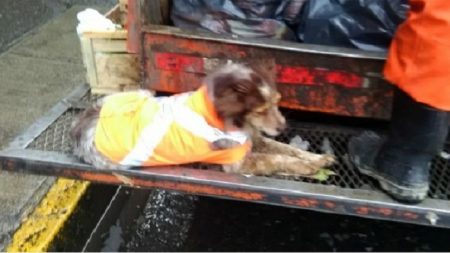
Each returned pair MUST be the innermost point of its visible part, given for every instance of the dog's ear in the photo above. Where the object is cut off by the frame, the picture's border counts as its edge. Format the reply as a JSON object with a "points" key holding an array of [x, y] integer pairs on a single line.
{"points": [[265, 68], [244, 91], [236, 93], [234, 84], [247, 86]]}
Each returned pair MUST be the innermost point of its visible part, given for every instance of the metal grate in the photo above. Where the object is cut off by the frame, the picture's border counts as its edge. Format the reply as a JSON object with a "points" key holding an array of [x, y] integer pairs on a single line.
{"points": [[56, 138], [338, 137]]}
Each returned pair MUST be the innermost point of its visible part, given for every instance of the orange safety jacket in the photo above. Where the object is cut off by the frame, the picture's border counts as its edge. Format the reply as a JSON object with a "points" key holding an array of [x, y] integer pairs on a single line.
{"points": [[135, 129], [419, 56]]}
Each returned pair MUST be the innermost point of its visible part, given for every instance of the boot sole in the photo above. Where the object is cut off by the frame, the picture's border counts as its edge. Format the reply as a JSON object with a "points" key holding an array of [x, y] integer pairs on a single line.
{"points": [[398, 192]]}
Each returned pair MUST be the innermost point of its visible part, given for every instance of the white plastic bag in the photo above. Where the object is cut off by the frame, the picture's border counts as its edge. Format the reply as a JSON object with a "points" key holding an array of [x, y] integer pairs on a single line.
{"points": [[91, 20]]}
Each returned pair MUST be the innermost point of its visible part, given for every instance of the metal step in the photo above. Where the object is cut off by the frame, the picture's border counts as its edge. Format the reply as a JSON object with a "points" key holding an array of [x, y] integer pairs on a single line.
{"points": [[45, 149]]}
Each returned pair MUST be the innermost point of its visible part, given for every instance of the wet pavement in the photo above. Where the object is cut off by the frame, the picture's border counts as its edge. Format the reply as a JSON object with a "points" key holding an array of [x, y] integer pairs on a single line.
{"points": [[222, 225], [20, 17], [172, 222], [40, 63]]}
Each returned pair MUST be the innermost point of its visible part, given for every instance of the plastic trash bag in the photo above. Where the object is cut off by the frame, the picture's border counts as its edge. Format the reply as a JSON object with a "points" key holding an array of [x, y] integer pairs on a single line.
{"points": [[299, 143], [91, 20], [245, 18], [291, 11], [363, 24]]}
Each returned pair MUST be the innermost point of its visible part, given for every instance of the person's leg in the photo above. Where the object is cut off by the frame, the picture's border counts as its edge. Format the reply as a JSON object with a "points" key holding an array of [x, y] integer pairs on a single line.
{"points": [[401, 161]]}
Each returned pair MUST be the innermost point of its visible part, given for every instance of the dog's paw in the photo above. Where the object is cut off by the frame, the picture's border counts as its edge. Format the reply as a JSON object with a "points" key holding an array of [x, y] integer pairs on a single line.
{"points": [[323, 161], [297, 167], [300, 167], [328, 160]]}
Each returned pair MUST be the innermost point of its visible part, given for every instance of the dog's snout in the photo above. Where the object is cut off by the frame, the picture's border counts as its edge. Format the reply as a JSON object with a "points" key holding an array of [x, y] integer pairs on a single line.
{"points": [[281, 122], [281, 127]]}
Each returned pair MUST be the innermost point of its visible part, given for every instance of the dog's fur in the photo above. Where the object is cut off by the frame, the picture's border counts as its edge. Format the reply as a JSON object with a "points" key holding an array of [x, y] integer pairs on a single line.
{"points": [[245, 98]]}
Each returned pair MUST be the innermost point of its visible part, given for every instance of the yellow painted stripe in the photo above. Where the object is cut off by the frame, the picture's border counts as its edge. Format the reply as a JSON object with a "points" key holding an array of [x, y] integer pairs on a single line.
{"points": [[40, 228]]}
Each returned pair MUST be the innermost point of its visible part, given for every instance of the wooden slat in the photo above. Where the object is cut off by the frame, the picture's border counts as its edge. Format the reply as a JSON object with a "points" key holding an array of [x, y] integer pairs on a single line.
{"points": [[118, 71], [123, 5], [112, 90], [89, 60], [109, 66], [109, 45], [118, 34]]}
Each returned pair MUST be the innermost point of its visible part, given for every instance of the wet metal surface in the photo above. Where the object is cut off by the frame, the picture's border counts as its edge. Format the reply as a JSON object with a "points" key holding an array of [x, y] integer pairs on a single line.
{"points": [[56, 138], [346, 193]]}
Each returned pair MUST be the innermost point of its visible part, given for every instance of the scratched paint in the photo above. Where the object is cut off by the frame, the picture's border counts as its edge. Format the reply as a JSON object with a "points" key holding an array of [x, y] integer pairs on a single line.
{"points": [[177, 65], [184, 187]]}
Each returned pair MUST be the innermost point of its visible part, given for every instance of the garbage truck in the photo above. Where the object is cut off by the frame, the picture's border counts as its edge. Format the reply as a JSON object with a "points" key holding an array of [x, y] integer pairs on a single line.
{"points": [[329, 94]]}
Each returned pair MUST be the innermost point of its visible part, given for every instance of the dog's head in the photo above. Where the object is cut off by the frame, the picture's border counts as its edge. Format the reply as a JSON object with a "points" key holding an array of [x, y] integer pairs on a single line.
{"points": [[246, 96]]}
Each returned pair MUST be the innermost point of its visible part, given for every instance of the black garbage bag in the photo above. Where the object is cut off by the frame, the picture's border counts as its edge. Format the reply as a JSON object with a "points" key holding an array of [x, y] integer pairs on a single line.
{"points": [[363, 24], [245, 18], [291, 10]]}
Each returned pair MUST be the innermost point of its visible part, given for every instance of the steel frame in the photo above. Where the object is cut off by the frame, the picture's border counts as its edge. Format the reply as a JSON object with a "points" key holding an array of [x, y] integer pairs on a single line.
{"points": [[323, 198]]}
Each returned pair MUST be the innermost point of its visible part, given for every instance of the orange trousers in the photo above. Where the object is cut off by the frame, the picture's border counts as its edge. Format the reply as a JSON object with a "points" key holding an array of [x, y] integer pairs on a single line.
{"points": [[419, 56]]}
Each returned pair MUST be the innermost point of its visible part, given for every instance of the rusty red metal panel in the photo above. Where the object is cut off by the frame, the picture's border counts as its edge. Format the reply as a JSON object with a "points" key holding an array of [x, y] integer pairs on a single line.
{"points": [[299, 75], [309, 80], [133, 27], [315, 82], [302, 75], [179, 63]]}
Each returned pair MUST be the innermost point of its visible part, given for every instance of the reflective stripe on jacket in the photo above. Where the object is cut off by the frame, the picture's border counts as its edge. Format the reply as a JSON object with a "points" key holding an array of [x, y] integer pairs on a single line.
{"points": [[136, 129], [419, 56]]}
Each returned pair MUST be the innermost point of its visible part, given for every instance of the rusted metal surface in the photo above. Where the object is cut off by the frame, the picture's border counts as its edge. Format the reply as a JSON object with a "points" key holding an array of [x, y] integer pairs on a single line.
{"points": [[286, 74], [312, 78], [364, 203], [349, 192], [133, 26], [56, 139]]}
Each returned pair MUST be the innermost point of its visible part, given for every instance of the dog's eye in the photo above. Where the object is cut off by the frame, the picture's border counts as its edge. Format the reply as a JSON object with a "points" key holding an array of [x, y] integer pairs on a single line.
{"points": [[262, 112], [277, 98], [262, 109]]}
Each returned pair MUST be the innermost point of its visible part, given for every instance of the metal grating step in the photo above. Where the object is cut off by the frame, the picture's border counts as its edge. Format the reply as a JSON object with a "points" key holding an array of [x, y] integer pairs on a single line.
{"points": [[44, 148], [56, 138]]}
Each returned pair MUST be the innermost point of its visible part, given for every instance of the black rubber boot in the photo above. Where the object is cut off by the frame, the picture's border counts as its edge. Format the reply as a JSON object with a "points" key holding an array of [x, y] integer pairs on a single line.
{"points": [[401, 162]]}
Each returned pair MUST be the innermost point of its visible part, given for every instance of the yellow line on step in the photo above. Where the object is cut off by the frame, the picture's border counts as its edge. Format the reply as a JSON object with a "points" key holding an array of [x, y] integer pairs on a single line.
{"points": [[40, 228]]}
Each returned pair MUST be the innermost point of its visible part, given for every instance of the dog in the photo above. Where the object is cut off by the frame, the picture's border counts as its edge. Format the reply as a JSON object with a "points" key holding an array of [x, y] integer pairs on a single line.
{"points": [[223, 122]]}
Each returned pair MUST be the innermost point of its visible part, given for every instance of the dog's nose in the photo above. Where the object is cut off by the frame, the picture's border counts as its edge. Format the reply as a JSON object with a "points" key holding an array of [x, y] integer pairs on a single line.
{"points": [[281, 128]]}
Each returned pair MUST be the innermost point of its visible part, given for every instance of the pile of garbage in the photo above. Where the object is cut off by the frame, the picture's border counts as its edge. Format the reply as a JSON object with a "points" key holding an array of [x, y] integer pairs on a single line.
{"points": [[362, 24]]}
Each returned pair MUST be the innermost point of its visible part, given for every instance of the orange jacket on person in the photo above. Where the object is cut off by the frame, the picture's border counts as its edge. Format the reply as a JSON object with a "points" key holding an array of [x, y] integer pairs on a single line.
{"points": [[419, 56], [136, 129]]}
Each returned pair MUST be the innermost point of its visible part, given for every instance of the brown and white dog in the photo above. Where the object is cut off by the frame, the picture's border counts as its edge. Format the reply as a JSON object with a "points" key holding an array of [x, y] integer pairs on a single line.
{"points": [[245, 98]]}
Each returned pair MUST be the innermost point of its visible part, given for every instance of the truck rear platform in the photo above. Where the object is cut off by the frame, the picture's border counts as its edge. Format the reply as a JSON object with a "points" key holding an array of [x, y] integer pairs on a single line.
{"points": [[45, 149], [339, 85]]}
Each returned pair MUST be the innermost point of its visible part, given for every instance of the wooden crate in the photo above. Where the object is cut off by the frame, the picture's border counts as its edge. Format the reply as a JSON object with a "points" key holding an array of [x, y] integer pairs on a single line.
{"points": [[108, 65]]}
